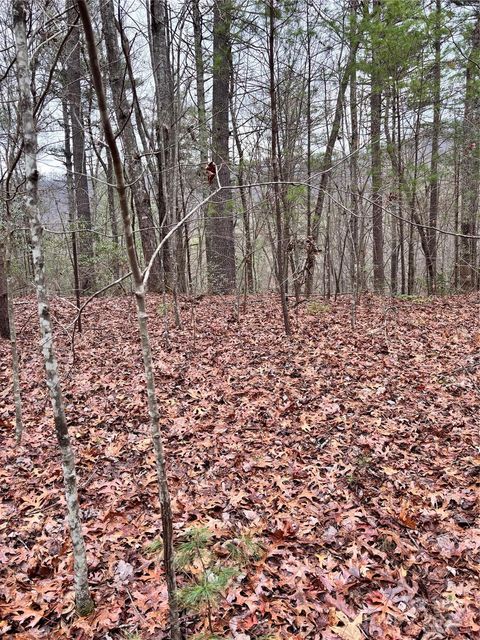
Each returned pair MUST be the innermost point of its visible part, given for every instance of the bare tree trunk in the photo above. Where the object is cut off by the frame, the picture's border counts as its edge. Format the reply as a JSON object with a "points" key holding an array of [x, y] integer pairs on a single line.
{"points": [[72, 218], [86, 267], [456, 205], [165, 129], [376, 151], [327, 163], [6, 292], [84, 602], [309, 125], [280, 248], [248, 259], [356, 269], [203, 133], [113, 216], [133, 163], [394, 199], [13, 339], [434, 178], [164, 495], [401, 225], [219, 231], [413, 206], [470, 165], [4, 322]]}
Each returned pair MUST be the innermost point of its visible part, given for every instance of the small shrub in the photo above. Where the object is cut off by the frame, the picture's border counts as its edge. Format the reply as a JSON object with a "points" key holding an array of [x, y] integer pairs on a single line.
{"points": [[209, 568]]}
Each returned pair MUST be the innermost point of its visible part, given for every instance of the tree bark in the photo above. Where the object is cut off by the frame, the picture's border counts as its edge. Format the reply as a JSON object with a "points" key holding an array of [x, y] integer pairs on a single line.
{"points": [[133, 163], [434, 178], [470, 165], [356, 266], [74, 72], [219, 232], [71, 208], [4, 322], [327, 164], [165, 124], [281, 252], [139, 284], [84, 602], [376, 168], [248, 258]]}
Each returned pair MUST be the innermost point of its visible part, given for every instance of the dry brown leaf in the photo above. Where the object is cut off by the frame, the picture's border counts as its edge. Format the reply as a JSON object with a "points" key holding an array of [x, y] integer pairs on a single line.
{"points": [[348, 629]]}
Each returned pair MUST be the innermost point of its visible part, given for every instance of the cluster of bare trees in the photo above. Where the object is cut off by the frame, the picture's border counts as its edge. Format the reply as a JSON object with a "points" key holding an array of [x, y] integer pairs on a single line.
{"points": [[344, 140]]}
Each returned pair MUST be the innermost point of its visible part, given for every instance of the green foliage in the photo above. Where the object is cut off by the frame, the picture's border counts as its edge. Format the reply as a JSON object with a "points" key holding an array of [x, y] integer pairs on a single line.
{"points": [[296, 193], [208, 588], [209, 569], [396, 32], [153, 546], [195, 545], [244, 550]]}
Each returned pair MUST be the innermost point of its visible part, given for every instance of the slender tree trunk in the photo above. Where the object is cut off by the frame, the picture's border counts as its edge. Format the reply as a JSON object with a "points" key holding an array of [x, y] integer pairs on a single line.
{"points": [[6, 286], [84, 602], [394, 200], [413, 206], [72, 217], [203, 133], [112, 215], [74, 72], [456, 205], [220, 240], [376, 169], [309, 127], [434, 178], [470, 165], [133, 163], [327, 163], [248, 259], [280, 248], [401, 190], [4, 322], [353, 164], [164, 495], [13, 336]]}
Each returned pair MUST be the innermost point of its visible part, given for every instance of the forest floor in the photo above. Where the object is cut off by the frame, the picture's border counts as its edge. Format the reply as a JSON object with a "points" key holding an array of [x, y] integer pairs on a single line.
{"points": [[351, 456]]}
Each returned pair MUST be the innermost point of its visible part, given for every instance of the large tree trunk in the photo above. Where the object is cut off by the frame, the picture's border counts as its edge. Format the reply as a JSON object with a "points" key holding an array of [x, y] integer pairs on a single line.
{"points": [[470, 165], [83, 599], [139, 284], [133, 163], [165, 125], [219, 231], [86, 271]]}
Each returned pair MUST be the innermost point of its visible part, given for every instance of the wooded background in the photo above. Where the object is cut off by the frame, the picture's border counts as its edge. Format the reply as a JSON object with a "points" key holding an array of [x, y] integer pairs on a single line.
{"points": [[344, 136]]}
